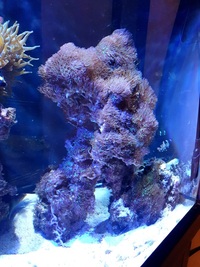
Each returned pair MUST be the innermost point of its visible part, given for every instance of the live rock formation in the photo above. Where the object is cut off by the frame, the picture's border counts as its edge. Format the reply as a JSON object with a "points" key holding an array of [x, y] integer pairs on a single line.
{"points": [[110, 105]]}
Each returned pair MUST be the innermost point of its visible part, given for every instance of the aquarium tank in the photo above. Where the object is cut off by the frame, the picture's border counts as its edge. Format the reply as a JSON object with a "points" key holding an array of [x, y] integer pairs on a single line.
{"points": [[99, 129]]}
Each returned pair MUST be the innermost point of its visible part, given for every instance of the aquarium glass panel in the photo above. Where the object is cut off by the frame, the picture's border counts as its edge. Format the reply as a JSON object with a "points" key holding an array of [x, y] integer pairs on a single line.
{"points": [[99, 128]]}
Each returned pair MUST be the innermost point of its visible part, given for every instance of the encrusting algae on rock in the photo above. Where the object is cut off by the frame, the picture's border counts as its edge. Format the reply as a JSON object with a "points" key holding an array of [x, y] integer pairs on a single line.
{"points": [[111, 107]]}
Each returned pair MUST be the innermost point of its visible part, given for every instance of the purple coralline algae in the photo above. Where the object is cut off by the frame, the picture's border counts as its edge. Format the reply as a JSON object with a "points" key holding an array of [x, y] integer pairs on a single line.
{"points": [[7, 119], [110, 105]]}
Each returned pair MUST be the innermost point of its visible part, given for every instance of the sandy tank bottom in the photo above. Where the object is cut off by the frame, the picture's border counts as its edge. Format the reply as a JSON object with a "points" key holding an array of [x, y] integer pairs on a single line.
{"points": [[21, 246]]}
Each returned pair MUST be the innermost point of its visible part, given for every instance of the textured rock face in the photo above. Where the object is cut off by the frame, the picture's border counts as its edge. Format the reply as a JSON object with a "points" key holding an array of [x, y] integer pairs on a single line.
{"points": [[7, 119], [105, 98]]}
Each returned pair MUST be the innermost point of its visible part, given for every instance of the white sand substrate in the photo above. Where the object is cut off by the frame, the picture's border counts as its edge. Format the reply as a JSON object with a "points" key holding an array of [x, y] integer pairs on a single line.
{"points": [[22, 247]]}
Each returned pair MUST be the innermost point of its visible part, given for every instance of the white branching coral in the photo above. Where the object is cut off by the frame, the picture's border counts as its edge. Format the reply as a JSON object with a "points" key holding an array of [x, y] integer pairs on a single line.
{"points": [[13, 49]]}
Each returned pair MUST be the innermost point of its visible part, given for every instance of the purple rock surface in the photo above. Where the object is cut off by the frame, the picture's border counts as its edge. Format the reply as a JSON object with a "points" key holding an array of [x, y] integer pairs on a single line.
{"points": [[110, 105]]}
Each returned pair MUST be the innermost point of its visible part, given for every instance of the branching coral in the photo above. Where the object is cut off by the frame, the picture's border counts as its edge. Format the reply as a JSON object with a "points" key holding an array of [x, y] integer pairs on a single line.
{"points": [[104, 96]]}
